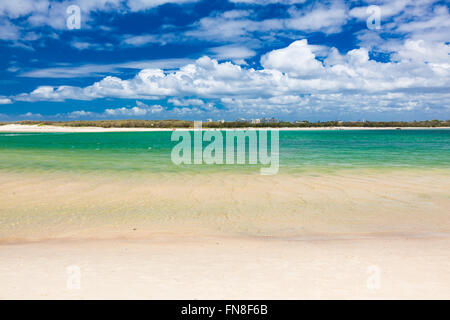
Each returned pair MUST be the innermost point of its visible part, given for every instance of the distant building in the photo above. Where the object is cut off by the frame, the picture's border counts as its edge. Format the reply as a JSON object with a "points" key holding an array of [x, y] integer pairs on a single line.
{"points": [[208, 120], [241, 120], [221, 121], [271, 120], [255, 121]]}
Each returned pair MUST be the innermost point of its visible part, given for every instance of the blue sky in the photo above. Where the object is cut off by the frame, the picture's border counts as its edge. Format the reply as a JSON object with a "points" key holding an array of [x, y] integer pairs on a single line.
{"points": [[188, 59]]}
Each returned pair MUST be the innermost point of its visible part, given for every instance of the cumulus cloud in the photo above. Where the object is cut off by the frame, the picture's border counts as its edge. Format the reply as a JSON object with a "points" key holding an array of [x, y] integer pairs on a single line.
{"points": [[140, 110], [291, 78], [5, 100], [424, 52], [297, 59], [186, 102], [412, 73]]}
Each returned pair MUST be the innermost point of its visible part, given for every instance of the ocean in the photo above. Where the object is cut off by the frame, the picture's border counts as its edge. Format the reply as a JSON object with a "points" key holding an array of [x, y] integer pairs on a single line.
{"points": [[299, 151]]}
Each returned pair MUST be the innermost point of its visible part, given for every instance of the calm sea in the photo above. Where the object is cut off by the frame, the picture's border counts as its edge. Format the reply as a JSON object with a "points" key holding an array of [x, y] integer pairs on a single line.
{"points": [[299, 151]]}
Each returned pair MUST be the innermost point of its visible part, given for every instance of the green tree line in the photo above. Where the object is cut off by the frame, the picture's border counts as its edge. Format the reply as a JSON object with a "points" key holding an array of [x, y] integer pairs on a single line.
{"points": [[132, 123]]}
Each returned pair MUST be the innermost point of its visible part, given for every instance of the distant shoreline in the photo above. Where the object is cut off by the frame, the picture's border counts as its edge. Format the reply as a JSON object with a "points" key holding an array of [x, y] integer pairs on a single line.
{"points": [[50, 128]]}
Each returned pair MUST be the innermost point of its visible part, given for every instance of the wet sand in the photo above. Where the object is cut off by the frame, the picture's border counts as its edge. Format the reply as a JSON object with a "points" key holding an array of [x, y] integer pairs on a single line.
{"points": [[48, 128], [49, 206], [220, 236]]}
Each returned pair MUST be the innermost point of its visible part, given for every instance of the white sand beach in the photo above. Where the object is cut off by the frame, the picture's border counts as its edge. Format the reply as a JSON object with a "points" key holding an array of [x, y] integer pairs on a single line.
{"points": [[228, 268], [364, 236], [48, 128], [323, 171]]}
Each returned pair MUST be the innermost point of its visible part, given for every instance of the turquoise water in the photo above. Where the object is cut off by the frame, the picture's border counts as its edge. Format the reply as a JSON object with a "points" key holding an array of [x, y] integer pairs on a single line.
{"points": [[151, 151]]}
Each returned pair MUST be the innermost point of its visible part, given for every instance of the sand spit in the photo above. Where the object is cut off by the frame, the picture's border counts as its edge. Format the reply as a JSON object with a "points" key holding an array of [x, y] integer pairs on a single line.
{"points": [[62, 129]]}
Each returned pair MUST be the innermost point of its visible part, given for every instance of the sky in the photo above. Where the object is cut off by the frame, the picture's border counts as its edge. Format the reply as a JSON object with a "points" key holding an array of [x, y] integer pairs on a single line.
{"points": [[229, 59]]}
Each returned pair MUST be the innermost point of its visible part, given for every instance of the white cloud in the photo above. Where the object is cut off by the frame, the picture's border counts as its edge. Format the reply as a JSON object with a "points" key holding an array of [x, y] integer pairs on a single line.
{"points": [[45, 9], [186, 102], [266, 2], [98, 70], [414, 35], [387, 9], [5, 101], [426, 23], [53, 13], [224, 27], [140, 110], [8, 31], [137, 41], [30, 115], [139, 5], [423, 52], [19, 8], [236, 53], [297, 59], [83, 45], [406, 19], [292, 79], [238, 25], [79, 114], [328, 19]]}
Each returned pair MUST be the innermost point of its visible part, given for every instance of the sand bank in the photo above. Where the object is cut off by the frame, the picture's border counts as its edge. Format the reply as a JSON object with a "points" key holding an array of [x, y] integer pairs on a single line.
{"points": [[49, 206], [46, 128], [227, 268], [365, 235]]}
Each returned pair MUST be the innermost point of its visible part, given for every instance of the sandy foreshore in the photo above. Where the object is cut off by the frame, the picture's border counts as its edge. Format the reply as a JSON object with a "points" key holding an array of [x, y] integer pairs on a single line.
{"points": [[59, 206], [62, 129], [227, 268], [364, 235]]}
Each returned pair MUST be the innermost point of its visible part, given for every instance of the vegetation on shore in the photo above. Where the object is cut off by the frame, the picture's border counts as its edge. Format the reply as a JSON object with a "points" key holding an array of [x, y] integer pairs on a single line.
{"points": [[236, 124]]}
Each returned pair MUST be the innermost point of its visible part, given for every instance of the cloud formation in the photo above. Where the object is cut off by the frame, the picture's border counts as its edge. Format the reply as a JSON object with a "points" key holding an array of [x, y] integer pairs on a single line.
{"points": [[291, 77], [256, 57], [5, 100]]}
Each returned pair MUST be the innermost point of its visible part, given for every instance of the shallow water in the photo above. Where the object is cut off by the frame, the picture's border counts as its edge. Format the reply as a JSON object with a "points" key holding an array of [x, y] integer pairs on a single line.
{"points": [[338, 184], [300, 151]]}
